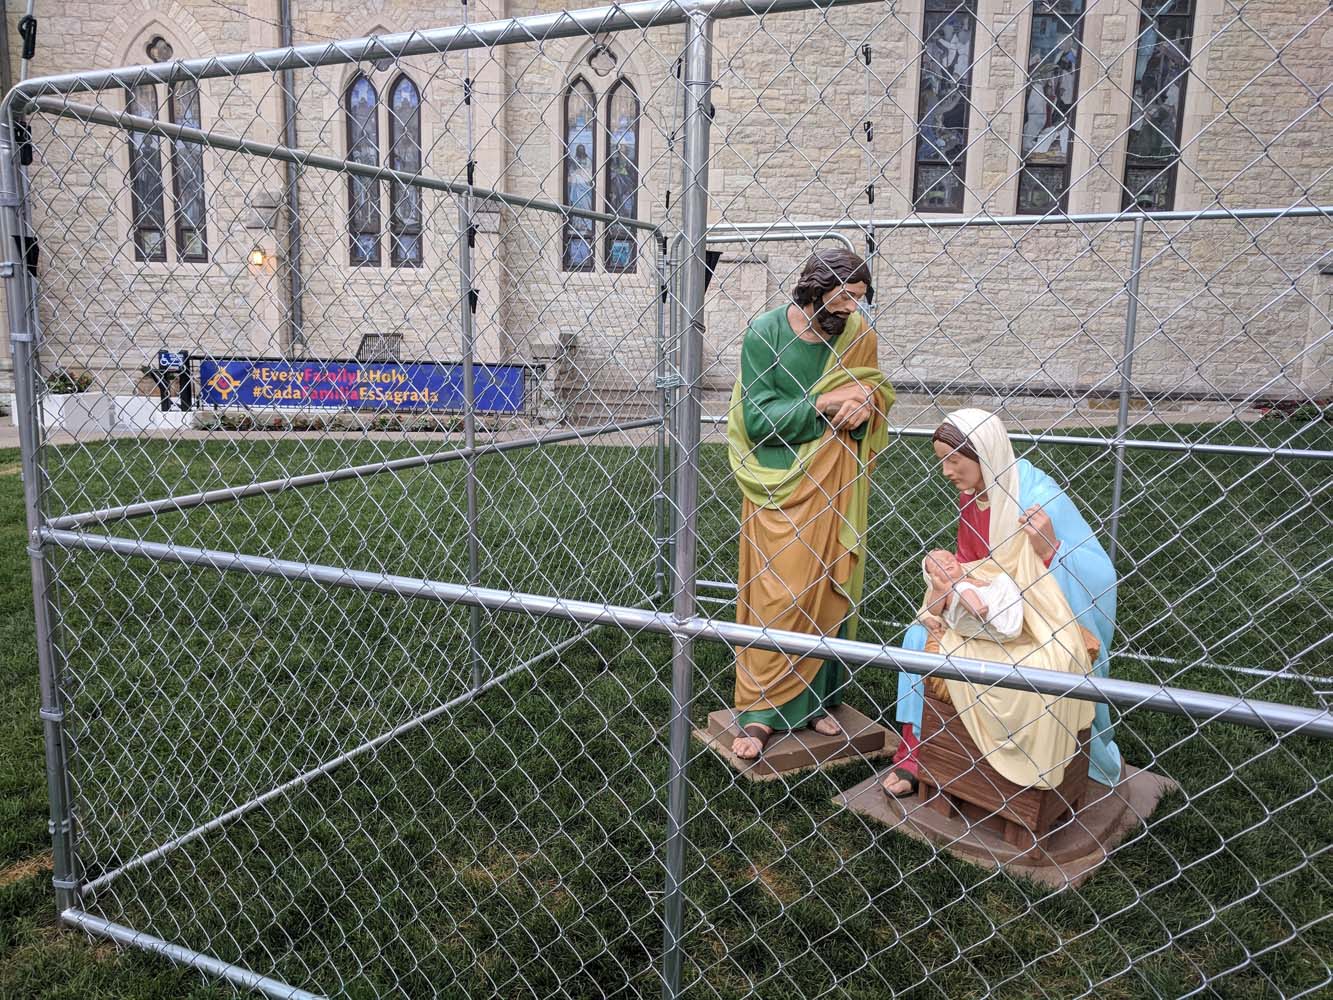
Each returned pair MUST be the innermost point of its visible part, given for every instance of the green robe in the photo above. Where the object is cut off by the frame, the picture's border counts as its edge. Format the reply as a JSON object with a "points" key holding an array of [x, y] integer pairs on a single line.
{"points": [[778, 370]]}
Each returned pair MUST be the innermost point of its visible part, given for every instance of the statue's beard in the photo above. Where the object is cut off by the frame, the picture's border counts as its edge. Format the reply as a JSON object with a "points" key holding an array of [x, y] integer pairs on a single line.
{"points": [[831, 324]]}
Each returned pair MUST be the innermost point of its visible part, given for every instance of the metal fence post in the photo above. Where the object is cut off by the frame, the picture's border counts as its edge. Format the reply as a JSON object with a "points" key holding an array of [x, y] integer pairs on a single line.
{"points": [[21, 305], [694, 188], [468, 295], [673, 400], [660, 516], [467, 232], [1126, 380], [296, 340]]}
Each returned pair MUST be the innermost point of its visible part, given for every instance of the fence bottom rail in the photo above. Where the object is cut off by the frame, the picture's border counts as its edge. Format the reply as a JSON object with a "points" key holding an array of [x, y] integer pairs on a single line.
{"points": [[234, 973]]}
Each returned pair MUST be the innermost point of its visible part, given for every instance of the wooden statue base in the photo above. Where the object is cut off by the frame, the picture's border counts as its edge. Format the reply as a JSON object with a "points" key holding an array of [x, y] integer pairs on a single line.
{"points": [[951, 763], [1068, 855], [802, 749]]}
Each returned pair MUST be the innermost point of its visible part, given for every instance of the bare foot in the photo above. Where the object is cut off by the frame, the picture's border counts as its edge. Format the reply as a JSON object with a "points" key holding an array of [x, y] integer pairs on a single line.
{"points": [[897, 785], [826, 725], [750, 747]]}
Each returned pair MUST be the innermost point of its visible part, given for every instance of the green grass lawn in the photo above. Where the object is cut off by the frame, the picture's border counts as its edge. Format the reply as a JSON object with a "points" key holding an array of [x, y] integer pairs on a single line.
{"points": [[512, 847]]}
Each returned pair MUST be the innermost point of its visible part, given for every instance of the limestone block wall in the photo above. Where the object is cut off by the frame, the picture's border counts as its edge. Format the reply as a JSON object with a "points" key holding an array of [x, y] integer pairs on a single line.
{"points": [[100, 308], [1226, 307]]}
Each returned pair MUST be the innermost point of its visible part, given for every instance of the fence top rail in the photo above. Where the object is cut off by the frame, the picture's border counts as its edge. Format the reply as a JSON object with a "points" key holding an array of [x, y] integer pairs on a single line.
{"points": [[824, 226], [1117, 441], [1146, 444], [456, 38]]}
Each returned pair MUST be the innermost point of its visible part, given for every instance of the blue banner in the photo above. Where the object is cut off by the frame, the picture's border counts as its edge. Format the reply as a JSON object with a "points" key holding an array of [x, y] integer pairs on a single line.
{"points": [[352, 385]]}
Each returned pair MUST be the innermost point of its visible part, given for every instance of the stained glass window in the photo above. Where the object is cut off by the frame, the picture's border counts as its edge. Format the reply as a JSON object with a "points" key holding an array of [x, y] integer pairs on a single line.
{"points": [[405, 155], [148, 216], [187, 174], [622, 174], [363, 194], [147, 185], [943, 105], [1160, 72], [1048, 113], [580, 174]]}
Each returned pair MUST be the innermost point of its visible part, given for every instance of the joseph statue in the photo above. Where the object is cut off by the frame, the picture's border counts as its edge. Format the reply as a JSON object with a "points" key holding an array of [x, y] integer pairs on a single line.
{"points": [[808, 416]]}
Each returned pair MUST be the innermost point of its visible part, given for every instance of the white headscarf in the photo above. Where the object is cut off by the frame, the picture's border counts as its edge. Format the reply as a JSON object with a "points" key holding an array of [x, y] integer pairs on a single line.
{"points": [[999, 472]]}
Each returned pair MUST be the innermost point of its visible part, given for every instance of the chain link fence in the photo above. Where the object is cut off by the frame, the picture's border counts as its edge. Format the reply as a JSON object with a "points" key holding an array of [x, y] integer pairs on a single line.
{"points": [[386, 549]]}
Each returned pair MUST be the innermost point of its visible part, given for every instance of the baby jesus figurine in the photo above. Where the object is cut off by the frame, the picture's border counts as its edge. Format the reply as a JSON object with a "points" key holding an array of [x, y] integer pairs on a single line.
{"points": [[971, 606]]}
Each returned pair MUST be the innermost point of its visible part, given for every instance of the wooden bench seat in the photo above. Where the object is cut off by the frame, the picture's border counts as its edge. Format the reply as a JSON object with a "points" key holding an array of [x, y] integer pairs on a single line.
{"points": [[954, 780]]}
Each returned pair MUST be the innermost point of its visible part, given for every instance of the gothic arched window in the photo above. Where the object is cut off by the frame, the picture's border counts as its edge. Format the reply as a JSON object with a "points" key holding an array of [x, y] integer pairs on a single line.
{"points": [[147, 184], [1054, 52], [363, 194], [405, 155], [944, 104], [187, 173], [580, 174], [148, 217], [622, 174], [1158, 110]]}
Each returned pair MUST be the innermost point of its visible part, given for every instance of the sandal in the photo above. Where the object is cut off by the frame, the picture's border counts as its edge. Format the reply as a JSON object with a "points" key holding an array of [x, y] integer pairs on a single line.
{"points": [[811, 726], [756, 731], [902, 774]]}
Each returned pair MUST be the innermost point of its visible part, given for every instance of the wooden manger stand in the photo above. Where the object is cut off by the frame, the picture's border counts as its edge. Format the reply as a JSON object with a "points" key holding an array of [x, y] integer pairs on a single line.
{"points": [[956, 781], [1057, 836]]}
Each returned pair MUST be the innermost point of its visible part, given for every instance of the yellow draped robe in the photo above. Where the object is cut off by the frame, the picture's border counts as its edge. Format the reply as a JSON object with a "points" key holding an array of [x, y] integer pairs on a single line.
{"points": [[1029, 738], [802, 540]]}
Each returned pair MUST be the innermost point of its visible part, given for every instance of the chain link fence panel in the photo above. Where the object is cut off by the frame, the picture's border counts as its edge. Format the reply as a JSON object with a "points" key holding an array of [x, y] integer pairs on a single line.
{"points": [[376, 400]]}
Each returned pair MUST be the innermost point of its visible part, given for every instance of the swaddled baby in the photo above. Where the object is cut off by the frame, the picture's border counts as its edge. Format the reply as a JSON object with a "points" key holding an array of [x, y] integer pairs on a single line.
{"points": [[972, 607]]}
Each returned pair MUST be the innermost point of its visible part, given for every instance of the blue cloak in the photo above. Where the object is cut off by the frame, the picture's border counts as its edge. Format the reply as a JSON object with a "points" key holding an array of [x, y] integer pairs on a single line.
{"points": [[1084, 572]]}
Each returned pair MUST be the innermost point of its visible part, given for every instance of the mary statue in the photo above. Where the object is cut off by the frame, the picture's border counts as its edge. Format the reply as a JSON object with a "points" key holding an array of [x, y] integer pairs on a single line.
{"points": [[1014, 518]]}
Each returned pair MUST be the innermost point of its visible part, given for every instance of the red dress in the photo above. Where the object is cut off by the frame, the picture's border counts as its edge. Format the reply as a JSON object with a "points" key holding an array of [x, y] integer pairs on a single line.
{"points": [[973, 529]]}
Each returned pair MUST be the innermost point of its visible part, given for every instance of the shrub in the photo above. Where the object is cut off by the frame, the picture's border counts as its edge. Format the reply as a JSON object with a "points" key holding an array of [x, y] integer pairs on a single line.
{"points": [[1303, 412], [64, 381]]}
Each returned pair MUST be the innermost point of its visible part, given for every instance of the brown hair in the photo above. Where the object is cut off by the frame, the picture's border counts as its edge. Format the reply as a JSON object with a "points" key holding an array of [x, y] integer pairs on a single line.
{"points": [[955, 440], [827, 270]]}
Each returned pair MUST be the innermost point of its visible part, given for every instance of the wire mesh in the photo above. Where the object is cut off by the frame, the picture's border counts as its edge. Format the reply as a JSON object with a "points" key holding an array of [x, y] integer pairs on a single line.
{"points": [[393, 697]]}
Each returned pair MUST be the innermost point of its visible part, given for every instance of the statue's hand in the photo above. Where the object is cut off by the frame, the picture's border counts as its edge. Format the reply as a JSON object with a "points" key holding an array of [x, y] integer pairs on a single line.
{"points": [[851, 415], [979, 608], [1036, 524], [849, 406], [830, 402]]}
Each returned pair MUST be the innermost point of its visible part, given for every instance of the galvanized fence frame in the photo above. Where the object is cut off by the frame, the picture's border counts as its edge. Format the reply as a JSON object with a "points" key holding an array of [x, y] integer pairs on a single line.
{"points": [[681, 266]]}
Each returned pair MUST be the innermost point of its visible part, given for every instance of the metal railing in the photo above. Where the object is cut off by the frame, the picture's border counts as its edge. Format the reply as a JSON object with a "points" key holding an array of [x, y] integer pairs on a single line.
{"points": [[150, 556]]}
